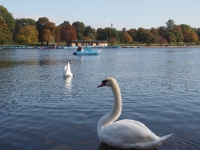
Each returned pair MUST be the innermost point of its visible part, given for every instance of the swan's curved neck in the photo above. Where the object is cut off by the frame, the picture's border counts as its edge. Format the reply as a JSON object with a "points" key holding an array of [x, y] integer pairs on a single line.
{"points": [[116, 110]]}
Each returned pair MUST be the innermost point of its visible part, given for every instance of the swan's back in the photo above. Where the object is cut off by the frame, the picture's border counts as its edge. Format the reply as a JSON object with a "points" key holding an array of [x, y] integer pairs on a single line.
{"points": [[129, 134]]}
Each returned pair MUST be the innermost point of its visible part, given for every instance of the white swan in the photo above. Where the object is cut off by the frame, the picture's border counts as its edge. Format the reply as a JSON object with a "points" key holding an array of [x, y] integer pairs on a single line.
{"points": [[124, 133], [67, 71]]}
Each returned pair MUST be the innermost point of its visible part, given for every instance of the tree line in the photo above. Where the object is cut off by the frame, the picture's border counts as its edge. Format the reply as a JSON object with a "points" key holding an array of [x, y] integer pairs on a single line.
{"points": [[28, 31]]}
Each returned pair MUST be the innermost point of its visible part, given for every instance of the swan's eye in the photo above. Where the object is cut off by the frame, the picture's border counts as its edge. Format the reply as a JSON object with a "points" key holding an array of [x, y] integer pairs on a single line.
{"points": [[104, 81]]}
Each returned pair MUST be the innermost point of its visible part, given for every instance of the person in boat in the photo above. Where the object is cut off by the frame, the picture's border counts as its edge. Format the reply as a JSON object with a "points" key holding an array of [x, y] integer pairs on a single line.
{"points": [[80, 48]]}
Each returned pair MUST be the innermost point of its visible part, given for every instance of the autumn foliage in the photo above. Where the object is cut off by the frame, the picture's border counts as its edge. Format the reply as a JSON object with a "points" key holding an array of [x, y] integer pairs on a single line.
{"points": [[28, 34], [126, 38], [68, 33]]}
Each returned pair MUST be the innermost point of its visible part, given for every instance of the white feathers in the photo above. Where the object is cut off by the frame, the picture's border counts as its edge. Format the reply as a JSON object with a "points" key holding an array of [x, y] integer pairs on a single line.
{"points": [[124, 133], [67, 71]]}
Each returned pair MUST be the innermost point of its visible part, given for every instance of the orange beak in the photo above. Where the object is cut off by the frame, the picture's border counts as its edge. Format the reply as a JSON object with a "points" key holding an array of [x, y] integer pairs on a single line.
{"points": [[103, 84]]}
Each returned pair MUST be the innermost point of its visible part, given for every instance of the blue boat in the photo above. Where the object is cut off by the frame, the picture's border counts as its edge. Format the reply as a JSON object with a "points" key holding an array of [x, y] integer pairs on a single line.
{"points": [[86, 51]]}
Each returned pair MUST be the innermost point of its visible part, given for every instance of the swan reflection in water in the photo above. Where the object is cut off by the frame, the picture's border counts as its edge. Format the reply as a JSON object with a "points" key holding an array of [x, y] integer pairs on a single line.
{"points": [[68, 82]]}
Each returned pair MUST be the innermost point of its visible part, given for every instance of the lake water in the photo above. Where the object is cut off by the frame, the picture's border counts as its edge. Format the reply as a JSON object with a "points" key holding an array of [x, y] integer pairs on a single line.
{"points": [[40, 110]]}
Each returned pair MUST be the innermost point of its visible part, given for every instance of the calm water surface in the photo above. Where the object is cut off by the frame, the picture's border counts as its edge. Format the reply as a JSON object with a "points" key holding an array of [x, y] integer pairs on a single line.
{"points": [[39, 110]]}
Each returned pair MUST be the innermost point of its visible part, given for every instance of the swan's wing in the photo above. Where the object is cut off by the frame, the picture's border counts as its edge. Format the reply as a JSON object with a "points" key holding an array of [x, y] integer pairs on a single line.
{"points": [[65, 68], [68, 69], [126, 131]]}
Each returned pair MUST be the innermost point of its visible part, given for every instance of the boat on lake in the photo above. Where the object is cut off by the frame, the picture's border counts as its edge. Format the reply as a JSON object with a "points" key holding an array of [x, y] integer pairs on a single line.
{"points": [[86, 51]]}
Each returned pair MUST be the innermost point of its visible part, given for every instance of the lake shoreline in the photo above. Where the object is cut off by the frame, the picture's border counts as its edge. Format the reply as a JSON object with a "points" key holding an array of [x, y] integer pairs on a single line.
{"points": [[190, 46]]}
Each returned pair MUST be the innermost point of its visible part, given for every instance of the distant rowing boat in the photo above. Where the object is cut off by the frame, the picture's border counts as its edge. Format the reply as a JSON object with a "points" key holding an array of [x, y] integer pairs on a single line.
{"points": [[86, 51]]}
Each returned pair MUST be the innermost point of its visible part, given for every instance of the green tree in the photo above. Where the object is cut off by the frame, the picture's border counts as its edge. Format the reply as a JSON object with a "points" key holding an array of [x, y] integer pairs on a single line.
{"points": [[198, 32], [5, 33], [162, 31], [88, 31], [65, 23], [126, 38], [170, 24], [20, 23], [149, 38], [28, 34], [79, 36], [101, 34], [155, 32], [170, 37], [140, 36], [91, 36], [185, 27], [7, 16], [178, 36], [79, 26]]}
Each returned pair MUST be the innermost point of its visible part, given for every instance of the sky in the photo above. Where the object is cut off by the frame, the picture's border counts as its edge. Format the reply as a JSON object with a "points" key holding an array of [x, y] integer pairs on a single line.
{"points": [[127, 14]]}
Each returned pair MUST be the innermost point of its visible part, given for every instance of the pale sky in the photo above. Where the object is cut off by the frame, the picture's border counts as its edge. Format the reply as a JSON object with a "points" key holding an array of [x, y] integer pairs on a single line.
{"points": [[101, 13]]}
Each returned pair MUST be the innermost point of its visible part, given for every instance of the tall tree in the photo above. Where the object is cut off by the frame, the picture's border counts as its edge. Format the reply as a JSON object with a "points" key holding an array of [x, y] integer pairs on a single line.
{"points": [[41, 25], [162, 31], [7, 16], [170, 24], [28, 34], [68, 33]]}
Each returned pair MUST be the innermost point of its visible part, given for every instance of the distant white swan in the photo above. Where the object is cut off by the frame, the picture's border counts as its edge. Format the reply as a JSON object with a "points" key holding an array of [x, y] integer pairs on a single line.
{"points": [[124, 133], [67, 71]]}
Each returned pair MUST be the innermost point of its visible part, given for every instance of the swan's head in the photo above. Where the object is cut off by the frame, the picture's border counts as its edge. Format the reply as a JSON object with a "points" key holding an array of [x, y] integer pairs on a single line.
{"points": [[107, 82]]}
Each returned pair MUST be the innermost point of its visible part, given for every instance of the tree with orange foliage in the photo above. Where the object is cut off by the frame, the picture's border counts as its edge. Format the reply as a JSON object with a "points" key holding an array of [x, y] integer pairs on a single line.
{"points": [[46, 36], [126, 38], [190, 36], [68, 33]]}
